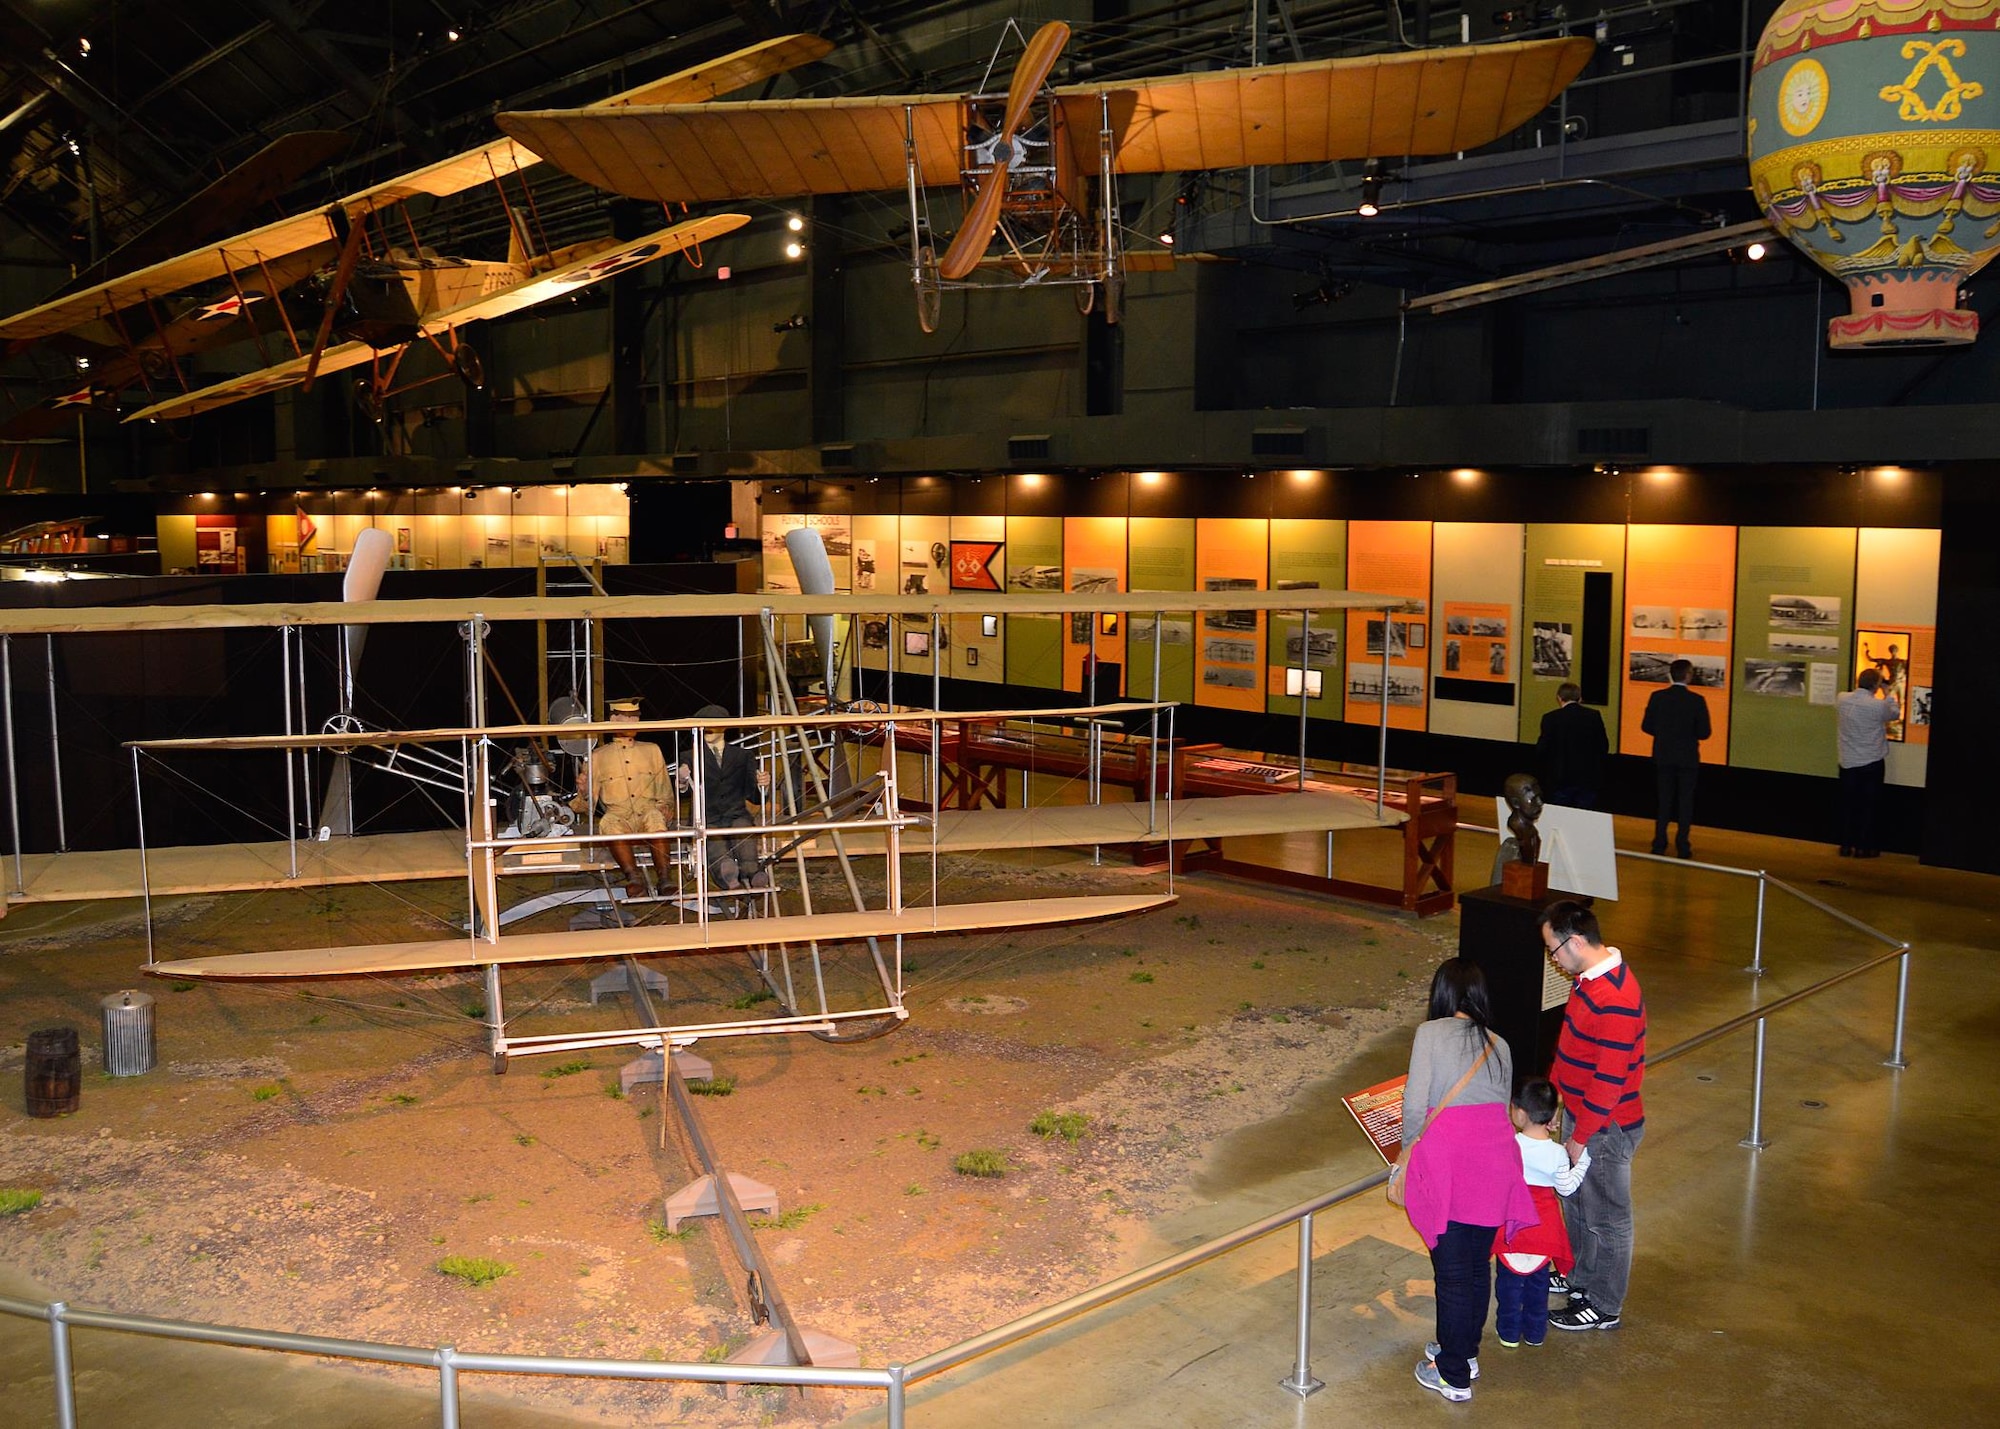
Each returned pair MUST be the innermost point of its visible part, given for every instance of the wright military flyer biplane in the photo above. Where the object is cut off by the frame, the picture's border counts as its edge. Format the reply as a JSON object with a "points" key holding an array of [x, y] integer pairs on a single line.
{"points": [[1037, 165], [353, 284]]}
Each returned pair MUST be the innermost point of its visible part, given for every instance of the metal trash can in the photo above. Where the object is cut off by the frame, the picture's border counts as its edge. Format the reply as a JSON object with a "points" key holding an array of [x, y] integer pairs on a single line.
{"points": [[128, 1033], [54, 1072]]}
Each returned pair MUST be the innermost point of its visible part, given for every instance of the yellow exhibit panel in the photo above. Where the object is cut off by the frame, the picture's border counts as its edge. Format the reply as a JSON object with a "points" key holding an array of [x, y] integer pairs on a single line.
{"points": [[1895, 592], [1475, 662]]}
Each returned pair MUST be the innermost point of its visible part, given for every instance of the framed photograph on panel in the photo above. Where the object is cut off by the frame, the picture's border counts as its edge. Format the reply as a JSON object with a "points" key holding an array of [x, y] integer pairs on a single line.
{"points": [[989, 625]]}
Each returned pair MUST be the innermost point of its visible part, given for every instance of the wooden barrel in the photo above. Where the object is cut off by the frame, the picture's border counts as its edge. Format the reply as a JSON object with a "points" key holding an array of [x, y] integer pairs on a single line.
{"points": [[54, 1071]]}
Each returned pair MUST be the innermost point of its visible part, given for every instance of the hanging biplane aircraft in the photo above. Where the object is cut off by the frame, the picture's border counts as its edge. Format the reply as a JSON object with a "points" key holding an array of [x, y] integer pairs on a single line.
{"points": [[1038, 166], [337, 288]]}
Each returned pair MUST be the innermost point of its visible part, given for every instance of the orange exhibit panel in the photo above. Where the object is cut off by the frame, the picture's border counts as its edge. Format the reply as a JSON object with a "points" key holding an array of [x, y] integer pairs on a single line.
{"points": [[1230, 553], [1680, 593], [1093, 564], [1389, 558]]}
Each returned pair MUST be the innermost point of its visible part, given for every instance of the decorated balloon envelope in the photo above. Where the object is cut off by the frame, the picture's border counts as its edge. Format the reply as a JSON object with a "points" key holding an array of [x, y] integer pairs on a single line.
{"points": [[1874, 136]]}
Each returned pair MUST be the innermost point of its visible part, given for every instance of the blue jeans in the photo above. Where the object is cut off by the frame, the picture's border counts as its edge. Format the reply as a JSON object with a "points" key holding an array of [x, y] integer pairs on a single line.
{"points": [[1459, 1264], [1600, 1218], [1521, 1304]]}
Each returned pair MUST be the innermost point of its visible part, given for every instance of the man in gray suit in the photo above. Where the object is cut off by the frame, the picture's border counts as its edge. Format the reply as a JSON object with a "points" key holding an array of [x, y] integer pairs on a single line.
{"points": [[1677, 718]]}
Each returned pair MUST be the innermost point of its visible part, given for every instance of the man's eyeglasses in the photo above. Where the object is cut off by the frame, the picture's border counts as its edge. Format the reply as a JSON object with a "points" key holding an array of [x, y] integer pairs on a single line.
{"points": [[1563, 944]]}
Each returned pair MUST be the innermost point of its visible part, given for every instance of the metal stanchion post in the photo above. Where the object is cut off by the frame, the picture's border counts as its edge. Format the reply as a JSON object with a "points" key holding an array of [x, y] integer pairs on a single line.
{"points": [[895, 1396], [1902, 1005], [1755, 1140], [1302, 1382], [447, 1387], [1756, 968], [60, 1365]]}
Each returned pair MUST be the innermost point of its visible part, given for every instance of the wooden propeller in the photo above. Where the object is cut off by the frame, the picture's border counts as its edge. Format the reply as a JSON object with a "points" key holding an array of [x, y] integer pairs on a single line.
{"points": [[982, 215]]}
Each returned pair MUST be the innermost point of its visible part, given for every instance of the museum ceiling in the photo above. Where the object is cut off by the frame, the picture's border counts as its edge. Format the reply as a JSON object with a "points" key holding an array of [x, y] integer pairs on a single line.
{"points": [[113, 111]]}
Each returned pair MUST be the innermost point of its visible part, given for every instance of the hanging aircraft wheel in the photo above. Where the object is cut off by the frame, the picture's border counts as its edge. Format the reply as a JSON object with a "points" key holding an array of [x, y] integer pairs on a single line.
{"points": [[469, 366], [930, 290], [1114, 297], [1086, 297]]}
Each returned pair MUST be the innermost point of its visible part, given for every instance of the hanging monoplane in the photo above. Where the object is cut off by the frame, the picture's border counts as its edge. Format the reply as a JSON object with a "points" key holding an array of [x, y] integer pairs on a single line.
{"points": [[1038, 166], [346, 285]]}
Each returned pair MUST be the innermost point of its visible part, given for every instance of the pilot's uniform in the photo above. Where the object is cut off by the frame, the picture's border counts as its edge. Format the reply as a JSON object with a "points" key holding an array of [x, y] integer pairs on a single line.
{"points": [[632, 783]]}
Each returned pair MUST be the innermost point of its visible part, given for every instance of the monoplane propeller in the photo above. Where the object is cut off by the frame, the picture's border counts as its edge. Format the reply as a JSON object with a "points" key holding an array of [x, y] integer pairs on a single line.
{"points": [[982, 215]]}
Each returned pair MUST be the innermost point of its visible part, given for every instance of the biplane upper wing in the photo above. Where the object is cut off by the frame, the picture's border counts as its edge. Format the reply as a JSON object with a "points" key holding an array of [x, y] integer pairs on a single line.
{"points": [[242, 254], [577, 273], [1414, 102]]}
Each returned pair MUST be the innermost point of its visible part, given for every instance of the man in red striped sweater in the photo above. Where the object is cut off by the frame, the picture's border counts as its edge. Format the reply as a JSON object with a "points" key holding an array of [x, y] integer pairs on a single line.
{"points": [[1599, 1064]]}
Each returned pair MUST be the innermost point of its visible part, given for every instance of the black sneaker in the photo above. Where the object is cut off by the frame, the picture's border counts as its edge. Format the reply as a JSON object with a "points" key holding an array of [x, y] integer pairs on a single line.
{"points": [[1582, 1315], [1558, 1283]]}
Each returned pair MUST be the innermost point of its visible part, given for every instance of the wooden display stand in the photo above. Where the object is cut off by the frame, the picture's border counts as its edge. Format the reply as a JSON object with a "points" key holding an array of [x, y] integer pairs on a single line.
{"points": [[1524, 880]]}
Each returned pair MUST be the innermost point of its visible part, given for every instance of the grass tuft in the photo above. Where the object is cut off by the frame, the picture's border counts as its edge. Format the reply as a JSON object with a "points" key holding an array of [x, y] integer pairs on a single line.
{"points": [[473, 1269], [981, 1163], [657, 1229], [565, 1069], [1069, 1125], [720, 1085], [15, 1200], [751, 999], [265, 1093], [787, 1221]]}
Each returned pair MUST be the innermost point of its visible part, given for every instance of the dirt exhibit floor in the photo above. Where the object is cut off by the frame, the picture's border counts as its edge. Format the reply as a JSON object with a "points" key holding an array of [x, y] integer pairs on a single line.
{"points": [[305, 1156]]}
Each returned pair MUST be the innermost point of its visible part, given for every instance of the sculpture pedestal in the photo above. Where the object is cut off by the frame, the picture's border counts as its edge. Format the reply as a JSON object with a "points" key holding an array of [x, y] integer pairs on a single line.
{"points": [[1524, 880], [1503, 935]]}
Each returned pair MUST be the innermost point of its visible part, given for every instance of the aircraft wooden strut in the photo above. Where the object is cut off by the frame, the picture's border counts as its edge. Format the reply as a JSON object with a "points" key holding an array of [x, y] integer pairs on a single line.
{"points": [[341, 287], [1038, 166]]}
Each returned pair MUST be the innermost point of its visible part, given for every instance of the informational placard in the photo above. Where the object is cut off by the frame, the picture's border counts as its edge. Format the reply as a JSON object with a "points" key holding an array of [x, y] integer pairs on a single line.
{"points": [[1555, 986], [1475, 641], [1378, 1111]]}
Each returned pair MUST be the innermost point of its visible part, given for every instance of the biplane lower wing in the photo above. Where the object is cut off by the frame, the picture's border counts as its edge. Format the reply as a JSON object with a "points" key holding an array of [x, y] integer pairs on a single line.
{"points": [[714, 937], [577, 273], [1434, 101]]}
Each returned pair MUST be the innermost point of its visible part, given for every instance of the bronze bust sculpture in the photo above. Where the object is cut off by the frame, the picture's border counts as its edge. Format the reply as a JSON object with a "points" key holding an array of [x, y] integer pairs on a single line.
{"points": [[1523, 793]]}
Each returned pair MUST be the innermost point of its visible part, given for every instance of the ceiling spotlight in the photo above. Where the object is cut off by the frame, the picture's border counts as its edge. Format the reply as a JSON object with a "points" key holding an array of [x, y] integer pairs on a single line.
{"points": [[74, 147], [1755, 252], [1371, 190], [794, 323], [83, 46], [83, 364], [796, 224], [1167, 240], [451, 36], [795, 250]]}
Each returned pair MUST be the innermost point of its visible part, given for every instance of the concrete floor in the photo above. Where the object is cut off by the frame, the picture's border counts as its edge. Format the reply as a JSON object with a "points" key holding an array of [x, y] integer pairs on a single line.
{"points": [[1789, 1285], [1799, 1284]]}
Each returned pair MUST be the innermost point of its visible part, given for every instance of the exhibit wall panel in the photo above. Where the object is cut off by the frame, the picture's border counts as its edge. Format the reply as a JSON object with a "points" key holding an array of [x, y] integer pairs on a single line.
{"points": [[979, 548], [923, 567], [873, 541], [1231, 553], [1307, 554], [1476, 609], [1034, 562], [1161, 557], [1573, 593], [1794, 625], [1896, 589], [1093, 563], [1388, 558], [1679, 602]]}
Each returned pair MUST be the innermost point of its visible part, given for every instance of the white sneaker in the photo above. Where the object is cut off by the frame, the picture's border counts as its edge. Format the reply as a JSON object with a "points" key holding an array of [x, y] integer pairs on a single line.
{"points": [[1431, 1354], [1429, 1378]]}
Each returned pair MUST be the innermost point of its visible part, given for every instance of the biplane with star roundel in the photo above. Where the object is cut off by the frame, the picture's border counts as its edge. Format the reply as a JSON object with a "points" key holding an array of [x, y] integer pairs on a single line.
{"points": [[1038, 165], [352, 284]]}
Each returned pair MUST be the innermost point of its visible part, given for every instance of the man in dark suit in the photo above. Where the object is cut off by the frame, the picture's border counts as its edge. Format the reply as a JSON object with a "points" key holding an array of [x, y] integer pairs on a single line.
{"points": [[731, 784], [1677, 718], [1572, 749]]}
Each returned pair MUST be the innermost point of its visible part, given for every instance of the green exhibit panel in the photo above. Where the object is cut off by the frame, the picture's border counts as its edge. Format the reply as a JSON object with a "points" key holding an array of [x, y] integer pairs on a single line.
{"points": [[1160, 556], [1572, 590], [1794, 626], [1034, 563], [1307, 554]]}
